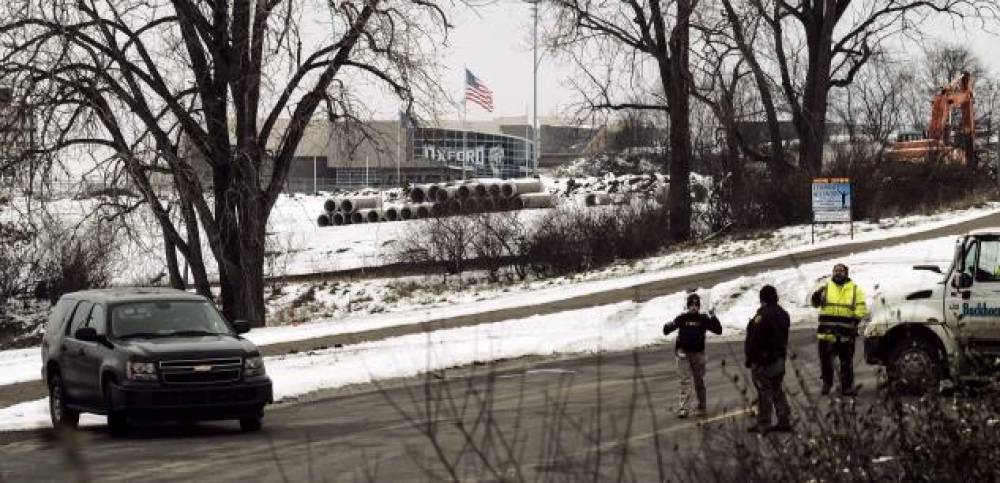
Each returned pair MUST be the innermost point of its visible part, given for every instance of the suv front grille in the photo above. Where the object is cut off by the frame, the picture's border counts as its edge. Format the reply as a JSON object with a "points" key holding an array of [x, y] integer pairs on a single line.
{"points": [[204, 396], [204, 371]]}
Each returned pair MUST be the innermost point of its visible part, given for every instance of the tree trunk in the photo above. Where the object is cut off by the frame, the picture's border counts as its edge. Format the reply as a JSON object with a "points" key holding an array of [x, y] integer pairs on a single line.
{"points": [[811, 126], [229, 248], [812, 132], [196, 261], [680, 126], [253, 232], [176, 279]]}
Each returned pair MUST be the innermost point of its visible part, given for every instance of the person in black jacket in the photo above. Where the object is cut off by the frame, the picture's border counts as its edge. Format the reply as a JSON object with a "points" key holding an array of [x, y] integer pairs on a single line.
{"points": [[690, 352], [766, 347]]}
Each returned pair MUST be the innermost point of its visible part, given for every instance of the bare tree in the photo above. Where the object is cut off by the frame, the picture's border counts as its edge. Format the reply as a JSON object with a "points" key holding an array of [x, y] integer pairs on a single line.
{"points": [[872, 107], [821, 44], [625, 39], [945, 62], [166, 87]]}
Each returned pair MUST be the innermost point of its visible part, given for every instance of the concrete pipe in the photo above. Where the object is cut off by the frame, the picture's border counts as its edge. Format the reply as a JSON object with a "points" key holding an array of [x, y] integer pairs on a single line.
{"points": [[323, 220], [348, 205], [494, 190], [481, 187], [391, 213], [431, 193], [471, 205], [487, 204], [453, 207], [418, 193], [423, 210], [520, 186], [406, 212], [365, 216], [516, 203], [480, 190], [446, 193], [535, 200], [331, 205], [596, 198], [465, 191], [340, 218], [439, 209], [502, 203]]}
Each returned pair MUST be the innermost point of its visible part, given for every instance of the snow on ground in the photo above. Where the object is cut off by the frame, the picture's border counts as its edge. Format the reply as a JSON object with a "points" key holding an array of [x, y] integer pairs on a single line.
{"points": [[299, 246], [614, 327]]}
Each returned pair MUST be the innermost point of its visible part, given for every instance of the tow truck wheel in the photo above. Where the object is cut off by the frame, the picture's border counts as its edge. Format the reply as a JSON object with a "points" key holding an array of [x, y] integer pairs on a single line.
{"points": [[914, 367]]}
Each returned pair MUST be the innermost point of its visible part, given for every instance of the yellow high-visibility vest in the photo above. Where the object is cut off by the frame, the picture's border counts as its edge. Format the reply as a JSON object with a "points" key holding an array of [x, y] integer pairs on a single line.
{"points": [[847, 300]]}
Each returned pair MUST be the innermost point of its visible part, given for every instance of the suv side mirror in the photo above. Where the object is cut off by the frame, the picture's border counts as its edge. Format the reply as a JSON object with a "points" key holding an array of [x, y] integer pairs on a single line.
{"points": [[962, 280], [241, 326], [86, 334]]}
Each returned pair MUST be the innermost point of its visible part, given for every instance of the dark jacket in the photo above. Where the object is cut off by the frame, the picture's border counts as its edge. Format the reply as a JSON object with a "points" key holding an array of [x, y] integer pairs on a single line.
{"points": [[767, 335], [691, 337]]}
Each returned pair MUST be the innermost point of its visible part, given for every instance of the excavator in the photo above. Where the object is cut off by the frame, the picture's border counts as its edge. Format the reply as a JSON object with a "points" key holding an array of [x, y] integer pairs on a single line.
{"points": [[939, 145]]}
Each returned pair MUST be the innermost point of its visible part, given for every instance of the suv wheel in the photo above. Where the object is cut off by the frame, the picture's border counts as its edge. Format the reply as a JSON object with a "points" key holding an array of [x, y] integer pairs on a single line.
{"points": [[117, 421], [251, 424], [914, 367], [62, 416]]}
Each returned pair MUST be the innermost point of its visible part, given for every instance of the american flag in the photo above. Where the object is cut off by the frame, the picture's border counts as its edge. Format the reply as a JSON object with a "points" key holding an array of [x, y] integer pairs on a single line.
{"points": [[477, 92]]}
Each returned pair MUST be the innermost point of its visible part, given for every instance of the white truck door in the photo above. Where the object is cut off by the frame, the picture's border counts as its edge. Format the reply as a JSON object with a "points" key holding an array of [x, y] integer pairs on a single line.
{"points": [[977, 308]]}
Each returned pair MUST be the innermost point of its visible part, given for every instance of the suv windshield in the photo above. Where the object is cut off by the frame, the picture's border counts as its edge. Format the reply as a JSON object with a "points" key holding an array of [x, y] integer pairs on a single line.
{"points": [[166, 319]]}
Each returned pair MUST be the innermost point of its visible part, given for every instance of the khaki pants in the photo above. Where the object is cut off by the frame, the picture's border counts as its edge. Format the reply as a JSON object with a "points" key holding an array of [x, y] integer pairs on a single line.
{"points": [[690, 369], [770, 393]]}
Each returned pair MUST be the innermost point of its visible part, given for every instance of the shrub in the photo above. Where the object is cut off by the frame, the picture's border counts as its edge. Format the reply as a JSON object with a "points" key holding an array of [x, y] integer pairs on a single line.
{"points": [[77, 261], [444, 241], [882, 188], [569, 240]]}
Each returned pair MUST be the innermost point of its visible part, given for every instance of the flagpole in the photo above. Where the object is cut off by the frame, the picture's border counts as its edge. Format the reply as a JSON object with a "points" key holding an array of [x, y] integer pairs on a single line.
{"points": [[465, 94], [399, 131]]}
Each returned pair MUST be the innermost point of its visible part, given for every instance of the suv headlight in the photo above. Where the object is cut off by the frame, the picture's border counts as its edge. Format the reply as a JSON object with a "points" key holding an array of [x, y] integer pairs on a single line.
{"points": [[253, 366], [140, 371]]}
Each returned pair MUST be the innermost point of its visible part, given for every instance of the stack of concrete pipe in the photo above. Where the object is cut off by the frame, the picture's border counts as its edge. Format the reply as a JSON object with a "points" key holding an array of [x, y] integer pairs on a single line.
{"points": [[439, 199]]}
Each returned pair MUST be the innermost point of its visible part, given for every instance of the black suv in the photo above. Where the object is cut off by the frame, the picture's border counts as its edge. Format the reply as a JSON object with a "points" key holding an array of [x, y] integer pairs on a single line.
{"points": [[150, 353]]}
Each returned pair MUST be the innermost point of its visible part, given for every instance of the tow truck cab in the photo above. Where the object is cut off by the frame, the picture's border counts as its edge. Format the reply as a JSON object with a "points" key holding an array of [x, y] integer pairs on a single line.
{"points": [[946, 332]]}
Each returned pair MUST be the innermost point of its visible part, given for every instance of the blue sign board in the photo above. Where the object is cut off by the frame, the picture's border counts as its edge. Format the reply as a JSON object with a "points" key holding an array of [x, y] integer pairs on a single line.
{"points": [[831, 200]]}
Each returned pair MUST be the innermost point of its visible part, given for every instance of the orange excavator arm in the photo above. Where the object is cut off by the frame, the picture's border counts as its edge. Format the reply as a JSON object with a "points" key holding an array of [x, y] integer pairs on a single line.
{"points": [[956, 94]]}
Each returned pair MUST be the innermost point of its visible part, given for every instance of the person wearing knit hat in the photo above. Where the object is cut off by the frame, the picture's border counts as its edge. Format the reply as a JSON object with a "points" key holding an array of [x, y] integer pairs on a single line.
{"points": [[766, 348], [689, 352]]}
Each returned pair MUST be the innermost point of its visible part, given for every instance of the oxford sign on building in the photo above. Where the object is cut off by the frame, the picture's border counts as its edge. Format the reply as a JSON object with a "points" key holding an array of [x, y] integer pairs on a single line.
{"points": [[482, 154]]}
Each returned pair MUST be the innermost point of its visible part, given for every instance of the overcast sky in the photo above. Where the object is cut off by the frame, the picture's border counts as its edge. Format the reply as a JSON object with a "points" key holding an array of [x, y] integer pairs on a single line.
{"points": [[495, 44]]}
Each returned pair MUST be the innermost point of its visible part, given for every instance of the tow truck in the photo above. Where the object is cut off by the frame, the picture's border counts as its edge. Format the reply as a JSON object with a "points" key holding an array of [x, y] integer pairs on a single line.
{"points": [[946, 334]]}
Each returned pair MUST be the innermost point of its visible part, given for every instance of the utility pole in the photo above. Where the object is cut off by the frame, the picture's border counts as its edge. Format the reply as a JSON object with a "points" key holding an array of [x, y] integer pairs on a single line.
{"points": [[534, 88]]}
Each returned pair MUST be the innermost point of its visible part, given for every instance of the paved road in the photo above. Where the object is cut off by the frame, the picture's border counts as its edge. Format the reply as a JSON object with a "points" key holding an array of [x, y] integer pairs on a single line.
{"points": [[31, 390], [544, 413]]}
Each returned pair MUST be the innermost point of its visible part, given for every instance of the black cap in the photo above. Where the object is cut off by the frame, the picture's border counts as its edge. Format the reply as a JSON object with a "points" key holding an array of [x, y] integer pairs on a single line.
{"points": [[693, 299], [768, 295]]}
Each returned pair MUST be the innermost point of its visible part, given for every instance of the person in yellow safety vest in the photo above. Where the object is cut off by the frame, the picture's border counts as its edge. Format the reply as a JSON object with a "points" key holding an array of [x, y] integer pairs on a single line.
{"points": [[841, 304]]}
